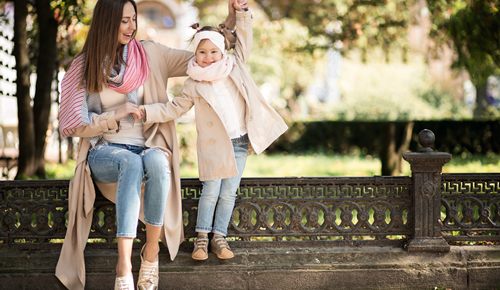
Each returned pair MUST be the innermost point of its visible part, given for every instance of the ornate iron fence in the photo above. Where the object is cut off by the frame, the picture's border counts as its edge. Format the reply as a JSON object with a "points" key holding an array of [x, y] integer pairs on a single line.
{"points": [[426, 211], [341, 209], [332, 208], [353, 210], [470, 207]]}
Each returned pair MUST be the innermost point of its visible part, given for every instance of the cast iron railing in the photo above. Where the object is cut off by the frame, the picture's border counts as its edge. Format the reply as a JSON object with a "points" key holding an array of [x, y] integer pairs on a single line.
{"points": [[33, 213], [470, 207], [425, 212]]}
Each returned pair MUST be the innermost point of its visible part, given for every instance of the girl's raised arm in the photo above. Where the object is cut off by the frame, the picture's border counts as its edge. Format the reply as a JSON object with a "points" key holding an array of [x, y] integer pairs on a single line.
{"points": [[244, 35]]}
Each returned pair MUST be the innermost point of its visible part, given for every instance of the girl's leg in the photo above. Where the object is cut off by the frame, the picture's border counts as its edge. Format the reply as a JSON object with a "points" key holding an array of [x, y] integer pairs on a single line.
{"points": [[225, 204], [116, 164], [157, 187], [206, 205], [227, 196], [204, 220]]}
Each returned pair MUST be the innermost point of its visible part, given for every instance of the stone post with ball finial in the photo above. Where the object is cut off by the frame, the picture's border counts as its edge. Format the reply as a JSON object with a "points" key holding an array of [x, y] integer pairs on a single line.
{"points": [[426, 166]]}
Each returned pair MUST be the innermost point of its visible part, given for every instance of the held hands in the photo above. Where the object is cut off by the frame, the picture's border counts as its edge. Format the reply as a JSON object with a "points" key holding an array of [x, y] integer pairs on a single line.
{"points": [[143, 112], [129, 109], [238, 5], [233, 6]]}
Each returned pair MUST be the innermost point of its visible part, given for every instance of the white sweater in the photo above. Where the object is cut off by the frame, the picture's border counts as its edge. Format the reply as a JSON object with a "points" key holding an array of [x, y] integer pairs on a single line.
{"points": [[129, 132], [230, 106]]}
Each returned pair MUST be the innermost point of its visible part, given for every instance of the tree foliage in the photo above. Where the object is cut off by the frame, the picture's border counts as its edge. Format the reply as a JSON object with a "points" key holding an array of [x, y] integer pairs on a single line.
{"points": [[471, 28], [348, 24]]}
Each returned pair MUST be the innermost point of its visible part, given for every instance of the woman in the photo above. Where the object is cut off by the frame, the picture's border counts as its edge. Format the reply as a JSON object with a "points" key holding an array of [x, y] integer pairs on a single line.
{"points": [[101, 92]]}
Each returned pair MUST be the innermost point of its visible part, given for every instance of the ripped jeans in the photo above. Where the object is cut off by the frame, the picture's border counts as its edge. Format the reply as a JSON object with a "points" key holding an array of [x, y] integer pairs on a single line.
{"points": [[129, 166]]}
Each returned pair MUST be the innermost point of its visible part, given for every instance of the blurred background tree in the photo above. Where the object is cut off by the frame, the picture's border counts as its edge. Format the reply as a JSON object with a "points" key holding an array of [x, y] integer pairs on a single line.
{"points": [[307, 37], [472, 29], [377, 72], [295, 36], [37, 44]]}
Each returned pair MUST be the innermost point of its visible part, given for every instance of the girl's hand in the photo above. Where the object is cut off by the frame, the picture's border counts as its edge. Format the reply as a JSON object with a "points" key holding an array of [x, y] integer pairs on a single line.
{"points": [[240, 5], [143, 112], [127, 109]]}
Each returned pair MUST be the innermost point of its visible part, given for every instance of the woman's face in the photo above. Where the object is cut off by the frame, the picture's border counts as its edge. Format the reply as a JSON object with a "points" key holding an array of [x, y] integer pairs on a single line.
{"points": [[207, 53], [128, 24]]}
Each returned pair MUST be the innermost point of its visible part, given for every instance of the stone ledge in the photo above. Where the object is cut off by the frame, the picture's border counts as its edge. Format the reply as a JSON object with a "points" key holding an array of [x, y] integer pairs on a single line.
{"points": [[465, 267]]}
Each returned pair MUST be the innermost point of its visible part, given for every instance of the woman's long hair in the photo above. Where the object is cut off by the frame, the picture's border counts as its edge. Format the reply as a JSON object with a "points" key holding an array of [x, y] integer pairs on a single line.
{"points": [[102, 49]]}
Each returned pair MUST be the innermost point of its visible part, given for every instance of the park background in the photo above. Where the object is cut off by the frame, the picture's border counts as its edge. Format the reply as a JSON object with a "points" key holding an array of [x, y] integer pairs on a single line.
{"points": [[355, 80]]}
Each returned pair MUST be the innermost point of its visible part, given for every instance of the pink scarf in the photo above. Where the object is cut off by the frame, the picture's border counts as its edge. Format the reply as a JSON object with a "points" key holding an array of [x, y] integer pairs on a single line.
{"points": [[74, 110], [213, 72]]}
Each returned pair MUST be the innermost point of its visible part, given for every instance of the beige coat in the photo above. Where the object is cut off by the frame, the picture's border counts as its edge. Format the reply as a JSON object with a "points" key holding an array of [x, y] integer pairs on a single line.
{"points": [[163, 63], [215, 152]]}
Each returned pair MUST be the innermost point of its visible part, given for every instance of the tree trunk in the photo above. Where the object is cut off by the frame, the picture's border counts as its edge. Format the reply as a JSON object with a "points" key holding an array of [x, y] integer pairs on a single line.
{"points": [[46, 68], [481, 109], [70, 155], [392, 150], [26, 162]]}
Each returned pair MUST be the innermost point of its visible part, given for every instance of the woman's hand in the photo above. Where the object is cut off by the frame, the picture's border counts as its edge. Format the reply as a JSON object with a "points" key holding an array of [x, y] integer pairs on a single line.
{"points": [[230, 7], [240, 5], [127, 109]]}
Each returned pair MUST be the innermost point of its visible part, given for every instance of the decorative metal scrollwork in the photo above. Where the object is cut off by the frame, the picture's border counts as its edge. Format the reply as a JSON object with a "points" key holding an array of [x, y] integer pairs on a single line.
{"points": [[337, 208], [470, 207]]}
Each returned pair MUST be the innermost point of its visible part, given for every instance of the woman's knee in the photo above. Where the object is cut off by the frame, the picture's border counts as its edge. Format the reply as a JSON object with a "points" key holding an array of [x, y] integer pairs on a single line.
{"points": [[155, 162], [131, 162], [108, 163]]}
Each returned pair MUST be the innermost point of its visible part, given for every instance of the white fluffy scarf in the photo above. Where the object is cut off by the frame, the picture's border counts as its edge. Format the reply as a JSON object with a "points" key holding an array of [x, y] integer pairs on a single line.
{"points": [[213, 72]]}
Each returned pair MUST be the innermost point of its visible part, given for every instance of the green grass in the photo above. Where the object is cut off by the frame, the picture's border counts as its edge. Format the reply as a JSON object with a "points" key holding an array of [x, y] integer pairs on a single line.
{"points": [[474, 164], [284, 165], [60, 171], [311, 165]]}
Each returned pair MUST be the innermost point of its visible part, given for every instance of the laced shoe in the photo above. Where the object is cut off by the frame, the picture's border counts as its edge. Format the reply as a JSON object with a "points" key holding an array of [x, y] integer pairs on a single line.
{"points": [[221, 248], [200, 251], [124, 283], [148, 274]]}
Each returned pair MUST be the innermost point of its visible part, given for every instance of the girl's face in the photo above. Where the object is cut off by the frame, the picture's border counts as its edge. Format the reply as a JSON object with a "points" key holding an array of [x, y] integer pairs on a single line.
{"points": [[128, 24], [207, 53]]}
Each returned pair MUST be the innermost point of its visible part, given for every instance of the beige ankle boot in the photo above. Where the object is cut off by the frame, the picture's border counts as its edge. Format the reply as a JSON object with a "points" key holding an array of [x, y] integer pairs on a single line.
{"points": [[221, 248], [200, 251]]}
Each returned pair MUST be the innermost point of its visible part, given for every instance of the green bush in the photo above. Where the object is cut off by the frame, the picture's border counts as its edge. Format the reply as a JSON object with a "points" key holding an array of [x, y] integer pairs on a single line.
{"points": [[347, 137]]}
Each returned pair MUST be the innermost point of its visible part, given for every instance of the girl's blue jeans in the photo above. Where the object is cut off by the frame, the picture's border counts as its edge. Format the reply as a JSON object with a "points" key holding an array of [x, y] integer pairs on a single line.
{"points": [[218, 196], [129, 166]]}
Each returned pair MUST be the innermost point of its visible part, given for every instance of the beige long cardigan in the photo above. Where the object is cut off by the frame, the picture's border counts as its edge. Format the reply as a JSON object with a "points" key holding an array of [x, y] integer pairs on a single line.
{"points": [[214, 148], [163, 63]]}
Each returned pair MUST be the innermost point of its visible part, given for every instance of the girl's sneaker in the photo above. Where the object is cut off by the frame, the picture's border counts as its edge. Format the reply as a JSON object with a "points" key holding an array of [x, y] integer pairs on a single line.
{"points": [[124, 283], [200, 252], [221, 248]]}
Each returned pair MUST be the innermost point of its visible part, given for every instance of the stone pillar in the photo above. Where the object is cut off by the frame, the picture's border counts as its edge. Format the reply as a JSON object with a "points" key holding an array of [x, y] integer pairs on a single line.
{"points": [[426, 166]]}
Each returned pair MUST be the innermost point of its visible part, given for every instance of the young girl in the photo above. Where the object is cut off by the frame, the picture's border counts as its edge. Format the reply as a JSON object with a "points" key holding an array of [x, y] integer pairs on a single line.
{"points": [[231, 115]]}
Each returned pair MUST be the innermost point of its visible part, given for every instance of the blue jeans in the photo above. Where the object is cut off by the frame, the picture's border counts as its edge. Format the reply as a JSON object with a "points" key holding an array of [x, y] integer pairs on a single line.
{"points": [[219, 195], [129, 166]]}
